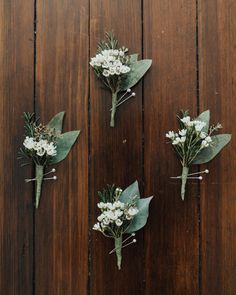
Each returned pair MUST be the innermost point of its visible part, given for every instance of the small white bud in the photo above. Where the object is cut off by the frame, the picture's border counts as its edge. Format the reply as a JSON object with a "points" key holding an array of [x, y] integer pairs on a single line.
{"points": [[129, 90], [134, 240], [206, 171], [54, 178], [53, 170], [133, 94], [200, 177]]}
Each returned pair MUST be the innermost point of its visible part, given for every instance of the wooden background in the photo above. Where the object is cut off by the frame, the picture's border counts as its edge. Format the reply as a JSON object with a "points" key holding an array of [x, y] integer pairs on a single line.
{"points": [[187, 247]]}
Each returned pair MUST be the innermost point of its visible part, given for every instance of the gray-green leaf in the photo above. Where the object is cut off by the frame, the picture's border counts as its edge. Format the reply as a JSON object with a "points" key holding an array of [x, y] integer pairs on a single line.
{"points": [[138, 70], [205, 117], [57, 121], [129, 192], [140, 219], [64, 144], [207, 154], [133, 57]]}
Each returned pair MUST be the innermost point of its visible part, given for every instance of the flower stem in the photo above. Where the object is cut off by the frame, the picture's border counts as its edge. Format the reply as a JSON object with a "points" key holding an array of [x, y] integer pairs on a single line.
{"points": [[113, 109], [39, 180], [184, 181], [118, 246]]}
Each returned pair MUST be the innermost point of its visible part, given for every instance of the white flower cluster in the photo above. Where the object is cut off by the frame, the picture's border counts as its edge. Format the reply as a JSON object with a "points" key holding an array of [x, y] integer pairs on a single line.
{"points": [[41, 147], [114, 213], [111, 61], [193, 126]]}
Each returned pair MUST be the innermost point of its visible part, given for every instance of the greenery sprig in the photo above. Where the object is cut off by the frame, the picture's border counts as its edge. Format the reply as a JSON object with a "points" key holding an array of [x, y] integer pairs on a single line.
{"points": [[194, 143], [122, 212], [118, 71], [44, 145]]}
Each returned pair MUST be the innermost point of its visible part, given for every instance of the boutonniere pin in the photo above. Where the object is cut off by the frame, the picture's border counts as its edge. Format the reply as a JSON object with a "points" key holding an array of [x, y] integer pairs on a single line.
{"points": [[45, 145], [118, 71], [122, 213], [195, 143]]}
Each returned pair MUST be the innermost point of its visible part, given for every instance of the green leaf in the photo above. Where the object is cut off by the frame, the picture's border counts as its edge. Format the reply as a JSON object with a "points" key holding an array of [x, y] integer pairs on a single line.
{"points": [[138, 70], [64, 144], [140, 219], [205, 117], [133, 57], [129, 192], [207, 154], [57, 121]]}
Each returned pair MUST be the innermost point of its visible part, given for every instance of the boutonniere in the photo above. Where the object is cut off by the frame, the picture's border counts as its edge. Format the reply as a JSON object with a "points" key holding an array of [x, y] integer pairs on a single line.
{"points": [[195, 143], [122, 212], [118, 71], [45, 145]]}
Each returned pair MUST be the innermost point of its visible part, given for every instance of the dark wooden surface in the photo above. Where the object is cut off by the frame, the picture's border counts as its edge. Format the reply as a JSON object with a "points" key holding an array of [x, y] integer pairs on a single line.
{"points": [[16, 96], [61, 222], [171, 237], [217, 72], [187, 247], [116, 154]]}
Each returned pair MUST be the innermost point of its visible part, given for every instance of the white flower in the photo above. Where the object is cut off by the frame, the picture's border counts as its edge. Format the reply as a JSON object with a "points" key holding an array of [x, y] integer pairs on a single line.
{"points": [[106, 221], [203, 135], [97, 226], [50, 149], [124, 69], [119, 222], [132, 211], [185, 120], [121, 53], [183, 132], [119, 213], [112, 71], [29, 143], [204, 144], [110, 206], [106, 73], [170, 134], [176, 141], [208, 139], [101, 217], [100, 205], [40, 151], [183, 139]]}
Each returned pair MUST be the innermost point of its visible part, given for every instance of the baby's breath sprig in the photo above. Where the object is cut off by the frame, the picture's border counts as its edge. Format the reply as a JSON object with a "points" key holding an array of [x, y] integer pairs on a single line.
{"points": [[44, 145], [194, 143], [117, 70], [121, 212]]}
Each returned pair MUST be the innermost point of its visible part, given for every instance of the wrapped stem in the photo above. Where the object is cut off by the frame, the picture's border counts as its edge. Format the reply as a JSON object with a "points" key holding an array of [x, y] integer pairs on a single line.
{"points": [[113, 109], [184, 181], [118, 247], [39, 180]]}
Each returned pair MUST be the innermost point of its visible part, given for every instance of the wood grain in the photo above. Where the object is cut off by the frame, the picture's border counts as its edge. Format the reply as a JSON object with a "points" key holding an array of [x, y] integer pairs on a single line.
{"points": [[16, 96], [116, 153], [61, 230], [217, 55], [171, 236]]}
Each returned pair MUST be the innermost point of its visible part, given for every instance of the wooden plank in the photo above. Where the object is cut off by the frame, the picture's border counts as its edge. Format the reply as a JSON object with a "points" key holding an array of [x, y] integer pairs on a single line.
{"points": [[62, 81], [16, 92], [116, 153], [217, 43], [171, 239]]}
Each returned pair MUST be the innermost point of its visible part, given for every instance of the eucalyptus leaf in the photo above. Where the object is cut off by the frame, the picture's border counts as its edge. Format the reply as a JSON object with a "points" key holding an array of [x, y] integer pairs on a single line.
{"points": [[64, 144], [129, 192], [57, 122], [205, 117], [207, 154], [133, 57], [138, 70], [140, 219]]}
